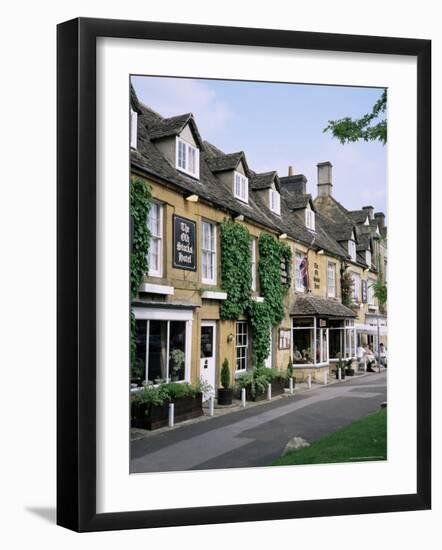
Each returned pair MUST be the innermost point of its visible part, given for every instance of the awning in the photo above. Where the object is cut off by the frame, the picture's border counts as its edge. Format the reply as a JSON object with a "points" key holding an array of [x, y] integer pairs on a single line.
{"points": [[311, 305], [371, 329]]}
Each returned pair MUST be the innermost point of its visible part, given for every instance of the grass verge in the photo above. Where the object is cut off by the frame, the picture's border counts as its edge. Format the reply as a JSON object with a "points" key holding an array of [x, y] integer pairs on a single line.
{"points": [[363, 440]]}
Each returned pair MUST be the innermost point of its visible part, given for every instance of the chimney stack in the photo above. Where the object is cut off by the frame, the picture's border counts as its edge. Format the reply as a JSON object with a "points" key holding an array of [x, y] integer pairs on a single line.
{"points": [[291, 171], [380, 218], [325, 184], [369, 210]]}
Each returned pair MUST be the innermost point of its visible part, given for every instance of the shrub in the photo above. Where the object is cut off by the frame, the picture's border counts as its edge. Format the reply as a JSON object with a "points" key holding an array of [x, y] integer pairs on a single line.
{"points": [[225, 374], [165, 393]]}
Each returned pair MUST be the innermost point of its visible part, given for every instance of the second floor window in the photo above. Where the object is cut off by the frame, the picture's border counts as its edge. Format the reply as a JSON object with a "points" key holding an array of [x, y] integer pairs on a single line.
{"points": [[275, 201], [253, 254], [356, 286], [370, 292], [155, 256], [331, 280], [209, 253], [352, 250], [241, 187], [187, 158]]}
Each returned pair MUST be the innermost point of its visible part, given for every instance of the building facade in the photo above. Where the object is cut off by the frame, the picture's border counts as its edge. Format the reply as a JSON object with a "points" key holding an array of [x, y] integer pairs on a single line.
{"points": [[195, 187]]}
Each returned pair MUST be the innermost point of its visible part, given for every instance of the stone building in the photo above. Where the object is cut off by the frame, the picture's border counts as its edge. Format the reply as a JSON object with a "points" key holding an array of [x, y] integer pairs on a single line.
{"points": [[195, 187]]}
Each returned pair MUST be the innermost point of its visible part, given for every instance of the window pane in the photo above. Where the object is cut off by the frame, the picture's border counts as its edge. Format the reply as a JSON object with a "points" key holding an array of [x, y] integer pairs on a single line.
{"points": [[206, 342], [138, 370], [157, 351], [302, 345], [177, 350]]}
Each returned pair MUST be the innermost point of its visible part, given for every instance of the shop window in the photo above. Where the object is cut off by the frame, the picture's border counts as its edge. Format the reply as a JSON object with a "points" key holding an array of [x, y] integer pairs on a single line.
{"points": [[242, 346], [341, 339], [160, 351], [310, 341]]}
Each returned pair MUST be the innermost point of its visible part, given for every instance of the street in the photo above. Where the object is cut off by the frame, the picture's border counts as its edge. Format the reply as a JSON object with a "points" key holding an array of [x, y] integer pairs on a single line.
{"points": [[257, 436]]}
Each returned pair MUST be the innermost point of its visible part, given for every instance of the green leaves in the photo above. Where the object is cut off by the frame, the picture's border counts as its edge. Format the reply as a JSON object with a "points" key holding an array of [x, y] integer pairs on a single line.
{"points": [[348, 130], [139, 210], [236, 269]]}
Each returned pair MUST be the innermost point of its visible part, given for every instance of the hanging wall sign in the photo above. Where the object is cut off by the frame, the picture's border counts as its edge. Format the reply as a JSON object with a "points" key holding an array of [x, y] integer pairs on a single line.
{"points": [[364, 291], [184, 243]]}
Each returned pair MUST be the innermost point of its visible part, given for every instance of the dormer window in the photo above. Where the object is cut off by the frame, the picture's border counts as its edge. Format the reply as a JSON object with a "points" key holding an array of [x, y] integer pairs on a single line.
{"points": [[309, 219], [352, 250], [133, 128], [241, 187], [368, 258], [187, 158], [275, 201]]}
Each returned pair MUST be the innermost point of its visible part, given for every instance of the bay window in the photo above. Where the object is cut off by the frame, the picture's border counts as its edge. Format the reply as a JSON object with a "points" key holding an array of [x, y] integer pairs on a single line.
{"points": [[208, 253], [342, 339], [155, 256], [309, 341]]}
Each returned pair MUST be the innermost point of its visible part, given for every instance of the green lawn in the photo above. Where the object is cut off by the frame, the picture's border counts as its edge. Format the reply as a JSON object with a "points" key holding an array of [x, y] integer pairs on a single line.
{"points": [[365, 439]]}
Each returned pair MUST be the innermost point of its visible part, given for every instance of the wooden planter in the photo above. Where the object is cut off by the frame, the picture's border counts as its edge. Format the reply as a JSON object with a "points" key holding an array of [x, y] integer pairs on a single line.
{"points": [[278, 386], [225, 396], [152, 417]]}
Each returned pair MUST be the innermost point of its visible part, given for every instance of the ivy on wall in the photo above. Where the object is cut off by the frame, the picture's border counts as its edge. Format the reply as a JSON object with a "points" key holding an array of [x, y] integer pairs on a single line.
{"points": [[236, 273], [140, 237], [263, 316]]}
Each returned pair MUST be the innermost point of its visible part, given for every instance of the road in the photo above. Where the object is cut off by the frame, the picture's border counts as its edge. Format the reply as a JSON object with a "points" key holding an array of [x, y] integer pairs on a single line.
{"points": [[257, 436]]}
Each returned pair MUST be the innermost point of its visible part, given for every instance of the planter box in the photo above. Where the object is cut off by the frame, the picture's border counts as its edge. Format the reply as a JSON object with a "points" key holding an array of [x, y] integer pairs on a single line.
{"points": [[225, 396], [152, 417], [278, 386]]}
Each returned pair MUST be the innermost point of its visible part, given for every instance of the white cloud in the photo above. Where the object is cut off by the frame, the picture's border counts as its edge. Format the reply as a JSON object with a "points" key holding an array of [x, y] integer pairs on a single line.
{"points": [[174, 96]]}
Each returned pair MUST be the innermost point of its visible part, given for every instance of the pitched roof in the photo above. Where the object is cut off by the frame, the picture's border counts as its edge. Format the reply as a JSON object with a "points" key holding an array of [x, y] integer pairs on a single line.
{"points": [[173, 126], [296, 201], [309, 304], [359, 216], [225, 162], [264, 180]]}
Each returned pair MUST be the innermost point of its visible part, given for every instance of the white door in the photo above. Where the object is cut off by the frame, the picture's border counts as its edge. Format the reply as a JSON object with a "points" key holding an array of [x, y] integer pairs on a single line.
{"points": [[208, 355]]}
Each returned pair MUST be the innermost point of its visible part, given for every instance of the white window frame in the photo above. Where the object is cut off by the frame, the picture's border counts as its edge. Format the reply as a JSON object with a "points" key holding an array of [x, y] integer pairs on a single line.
{"points": [[356, 294], [159, 238], [331, 287], [253, 254], [244, 347], [189, 152], [299, 285], [310, 219], [133, 128], [368, 258], [352, 249], [243, 194], [275, 201], [154, 314], [209, 253]]}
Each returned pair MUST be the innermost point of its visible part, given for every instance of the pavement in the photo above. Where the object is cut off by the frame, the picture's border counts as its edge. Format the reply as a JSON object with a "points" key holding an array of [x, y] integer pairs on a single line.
{"points": [[256, 436]]}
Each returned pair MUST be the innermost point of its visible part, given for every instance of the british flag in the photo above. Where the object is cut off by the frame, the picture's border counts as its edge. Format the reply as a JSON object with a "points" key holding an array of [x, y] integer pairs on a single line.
{"points": [[303, 267]]}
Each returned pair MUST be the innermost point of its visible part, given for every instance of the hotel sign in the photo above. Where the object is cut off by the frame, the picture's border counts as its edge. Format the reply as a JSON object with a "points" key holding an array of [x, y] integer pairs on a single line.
{"points": [[364, 291], [184, 243]]}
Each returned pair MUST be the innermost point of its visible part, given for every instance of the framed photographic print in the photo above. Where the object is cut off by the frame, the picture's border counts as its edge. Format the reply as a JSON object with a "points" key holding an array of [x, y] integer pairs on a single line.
{"points": [[243, 248]]}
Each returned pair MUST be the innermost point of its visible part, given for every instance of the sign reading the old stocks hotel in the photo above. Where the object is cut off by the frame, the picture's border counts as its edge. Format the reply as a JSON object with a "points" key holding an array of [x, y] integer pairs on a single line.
{"points": [[184, 245]]}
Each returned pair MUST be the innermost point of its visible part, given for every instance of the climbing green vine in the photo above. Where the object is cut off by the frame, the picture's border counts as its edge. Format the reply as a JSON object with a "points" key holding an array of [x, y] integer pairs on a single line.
{"points": [[139, 211], [273, 255], [236, 273]]}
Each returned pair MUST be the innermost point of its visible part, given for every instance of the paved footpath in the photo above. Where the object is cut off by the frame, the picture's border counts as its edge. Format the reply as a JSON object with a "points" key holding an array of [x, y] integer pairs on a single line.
{"points": [[257, 436]]}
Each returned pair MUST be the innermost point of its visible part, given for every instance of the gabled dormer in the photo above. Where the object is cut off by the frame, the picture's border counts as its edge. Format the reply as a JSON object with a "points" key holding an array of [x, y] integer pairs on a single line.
{"points": [[179, 141], [233, 171], [351, 244], [266, 185], [310, 220]]}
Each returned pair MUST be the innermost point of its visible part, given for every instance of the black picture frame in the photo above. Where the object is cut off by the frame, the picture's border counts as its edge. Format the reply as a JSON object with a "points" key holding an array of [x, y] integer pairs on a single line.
{"points": [[76, 274]]}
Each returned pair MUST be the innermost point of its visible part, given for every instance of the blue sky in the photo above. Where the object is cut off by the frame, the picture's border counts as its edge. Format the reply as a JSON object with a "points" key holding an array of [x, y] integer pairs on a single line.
{"points": [[278, 125]]}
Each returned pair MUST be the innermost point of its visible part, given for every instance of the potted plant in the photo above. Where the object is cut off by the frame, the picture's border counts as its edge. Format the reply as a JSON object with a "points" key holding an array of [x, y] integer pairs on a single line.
{"points": [[349, 371], [225, 393], [289, 374]]}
